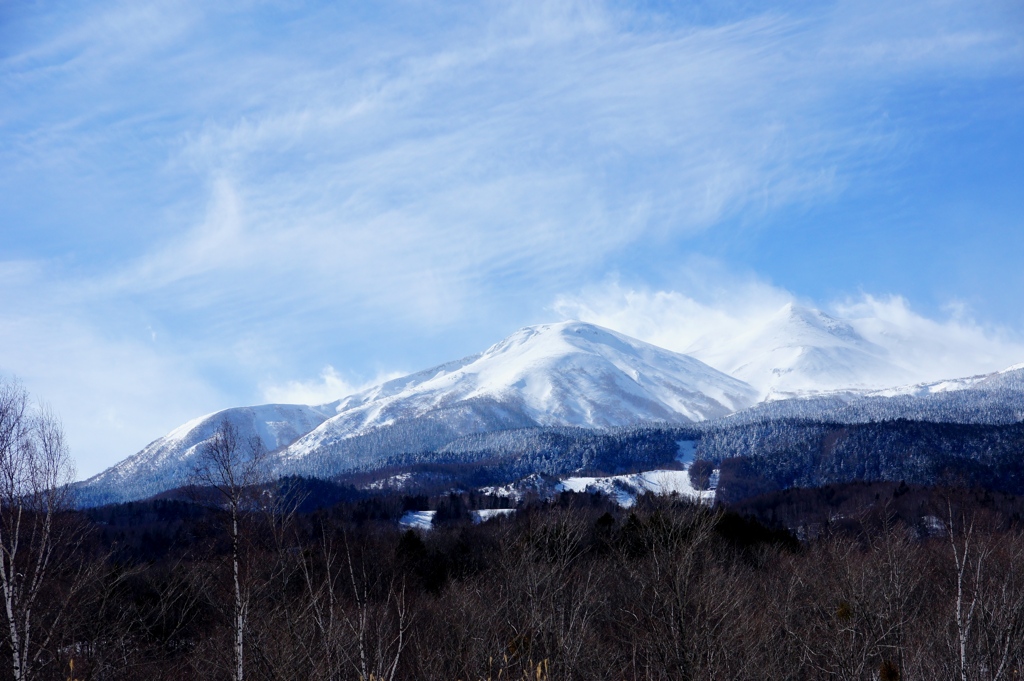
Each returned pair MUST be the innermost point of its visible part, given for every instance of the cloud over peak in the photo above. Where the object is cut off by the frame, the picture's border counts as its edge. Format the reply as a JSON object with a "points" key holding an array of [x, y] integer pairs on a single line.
{"points": [[733, 325]]}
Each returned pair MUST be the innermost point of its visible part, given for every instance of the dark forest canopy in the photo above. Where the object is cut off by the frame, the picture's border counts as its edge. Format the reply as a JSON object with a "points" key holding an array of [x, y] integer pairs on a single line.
{"points": [[575, 587]]}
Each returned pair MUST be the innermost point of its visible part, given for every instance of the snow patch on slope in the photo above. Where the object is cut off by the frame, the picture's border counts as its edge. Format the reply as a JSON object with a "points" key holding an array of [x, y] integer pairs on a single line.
{"points": [[418, 520], [622, 489], [485, 514]]}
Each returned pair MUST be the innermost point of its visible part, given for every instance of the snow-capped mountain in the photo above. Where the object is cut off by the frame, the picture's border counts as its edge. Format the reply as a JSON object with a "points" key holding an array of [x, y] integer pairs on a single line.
{"points": [[1009, 378], [167, 461], [565, 374], [799, 351], [573, 374]]}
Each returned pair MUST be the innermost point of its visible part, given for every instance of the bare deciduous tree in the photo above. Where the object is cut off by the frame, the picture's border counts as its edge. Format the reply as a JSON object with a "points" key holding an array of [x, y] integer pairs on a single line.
{"points": [[35, 473], [359, 617], [235, 468], [987, 598]]}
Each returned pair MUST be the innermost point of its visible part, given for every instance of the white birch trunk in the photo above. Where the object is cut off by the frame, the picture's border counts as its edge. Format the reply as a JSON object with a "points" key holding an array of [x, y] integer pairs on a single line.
{"points": [[239, 605]]}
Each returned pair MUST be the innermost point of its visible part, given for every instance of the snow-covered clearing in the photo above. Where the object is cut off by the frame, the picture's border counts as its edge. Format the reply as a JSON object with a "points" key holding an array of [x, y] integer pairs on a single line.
{"points": [[418, 520], [625, 489]]}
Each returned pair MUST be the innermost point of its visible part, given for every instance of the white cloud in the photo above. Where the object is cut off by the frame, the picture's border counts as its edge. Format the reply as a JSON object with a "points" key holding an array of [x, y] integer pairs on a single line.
{"points": [[420, 175], [217, 244], [702, 318], [712, 304], [534, 148], [931, 349], [329, 387]]}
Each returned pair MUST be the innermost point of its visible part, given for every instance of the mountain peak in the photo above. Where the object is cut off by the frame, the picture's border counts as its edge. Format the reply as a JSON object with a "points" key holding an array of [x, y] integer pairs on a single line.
{"points": [[568, 373], [801, 350], [567, 338], [812, 327]]}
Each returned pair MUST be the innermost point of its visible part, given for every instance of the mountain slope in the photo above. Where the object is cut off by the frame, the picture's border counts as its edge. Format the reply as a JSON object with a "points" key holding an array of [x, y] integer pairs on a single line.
{"points": [[1011, 378], [987, 399], [490, 407], [566, 374], [167, 461]]}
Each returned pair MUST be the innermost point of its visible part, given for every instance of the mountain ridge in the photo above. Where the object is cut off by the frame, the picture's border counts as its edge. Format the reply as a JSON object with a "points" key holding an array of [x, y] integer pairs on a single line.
{"points": [[567, 374], [563, 374]]}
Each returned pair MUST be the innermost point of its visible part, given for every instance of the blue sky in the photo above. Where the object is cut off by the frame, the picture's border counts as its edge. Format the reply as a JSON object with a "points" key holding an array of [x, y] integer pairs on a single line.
{"points": [[211, 204]]}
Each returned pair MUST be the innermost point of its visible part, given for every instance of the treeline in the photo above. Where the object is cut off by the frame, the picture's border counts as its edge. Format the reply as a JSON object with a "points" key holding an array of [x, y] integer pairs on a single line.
{"points": [[570, 589], [504, 455], [484, 430], [414, 437], [756, 456], [994, 403], [778, 454]]}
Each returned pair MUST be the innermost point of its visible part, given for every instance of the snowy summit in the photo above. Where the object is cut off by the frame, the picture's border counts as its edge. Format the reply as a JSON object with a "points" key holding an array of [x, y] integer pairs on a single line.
{"points": [[564, 374], [801, 351]]}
